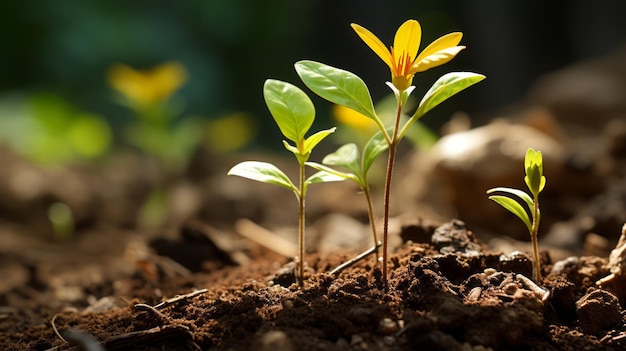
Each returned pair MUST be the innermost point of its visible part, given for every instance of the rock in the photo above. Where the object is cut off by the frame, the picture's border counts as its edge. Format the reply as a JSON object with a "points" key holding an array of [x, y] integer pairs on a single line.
{"points": [[586, 94], [387, 326], [598, 310], [453, 176], [338, 231], [616, 280], [274, 340]]}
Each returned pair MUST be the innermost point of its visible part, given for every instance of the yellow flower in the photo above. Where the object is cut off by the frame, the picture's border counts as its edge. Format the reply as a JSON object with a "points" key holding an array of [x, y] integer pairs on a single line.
{"points": [[350, 117], [150, 87], [402, 57]]}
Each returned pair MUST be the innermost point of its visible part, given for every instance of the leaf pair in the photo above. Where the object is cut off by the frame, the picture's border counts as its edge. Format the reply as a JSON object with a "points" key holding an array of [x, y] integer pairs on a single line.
{"points": [[294, 114], [345, 88], [268, 173], [535, 181]]}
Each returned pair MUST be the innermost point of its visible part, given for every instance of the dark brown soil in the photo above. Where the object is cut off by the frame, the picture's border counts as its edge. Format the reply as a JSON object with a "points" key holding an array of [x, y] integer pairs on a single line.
{"points": [[449, 294]]}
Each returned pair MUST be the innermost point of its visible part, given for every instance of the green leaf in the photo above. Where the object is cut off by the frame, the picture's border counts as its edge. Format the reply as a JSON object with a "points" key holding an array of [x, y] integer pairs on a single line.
{"points": [[514, 207], [262, 172], [313, 140], [337, 86], [290, 147], [372, 149], [522, 195], [324, 177], [291, 108], [445, 87], [344, 175], [346, 156], [533, 163]]}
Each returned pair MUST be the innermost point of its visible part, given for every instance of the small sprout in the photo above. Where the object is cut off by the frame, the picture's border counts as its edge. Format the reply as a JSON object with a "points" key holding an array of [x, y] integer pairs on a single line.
{"points": [[294, 114], [61, 220], [535, 181]]}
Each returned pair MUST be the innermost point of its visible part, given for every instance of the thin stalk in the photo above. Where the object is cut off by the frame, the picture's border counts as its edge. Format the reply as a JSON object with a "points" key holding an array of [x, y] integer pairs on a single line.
{"points": [[300, 275], [390, 163], [533, 238], [370, 213]]}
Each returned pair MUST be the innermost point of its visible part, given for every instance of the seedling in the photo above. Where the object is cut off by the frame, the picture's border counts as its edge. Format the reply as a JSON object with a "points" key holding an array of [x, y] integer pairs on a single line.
{"points": [[151, 96], [294, 114], [62, 220], [535, 181], [345, 88]]}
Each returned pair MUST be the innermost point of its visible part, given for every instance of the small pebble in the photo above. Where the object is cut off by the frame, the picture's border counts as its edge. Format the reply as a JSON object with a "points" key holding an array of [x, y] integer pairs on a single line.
{"points": [[287, 304], [490, 271], [510, 289], [387, 326], [275, 340]]}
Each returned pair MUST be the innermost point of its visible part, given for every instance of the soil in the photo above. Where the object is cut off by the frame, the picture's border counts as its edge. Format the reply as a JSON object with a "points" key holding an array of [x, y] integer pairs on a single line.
{"points": [[203, 288], [207, 275]]}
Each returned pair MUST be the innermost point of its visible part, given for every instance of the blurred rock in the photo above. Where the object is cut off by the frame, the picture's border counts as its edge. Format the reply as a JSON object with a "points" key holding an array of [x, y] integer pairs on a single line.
{"points": [[337, 232], [453, 177], [616, 280], [274, 340], [585, 96]]}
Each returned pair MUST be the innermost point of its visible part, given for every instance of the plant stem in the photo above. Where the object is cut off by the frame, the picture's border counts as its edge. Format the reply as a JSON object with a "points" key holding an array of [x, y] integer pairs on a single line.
{"points": [[370, 213], [533, 238], [300, 275], [390, 163]]}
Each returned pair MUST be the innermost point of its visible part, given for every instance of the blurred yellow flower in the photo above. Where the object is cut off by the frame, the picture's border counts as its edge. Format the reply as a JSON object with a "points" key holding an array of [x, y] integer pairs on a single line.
{"points": [[149, 87], [402, 57], [353, 119], [230, 133]]}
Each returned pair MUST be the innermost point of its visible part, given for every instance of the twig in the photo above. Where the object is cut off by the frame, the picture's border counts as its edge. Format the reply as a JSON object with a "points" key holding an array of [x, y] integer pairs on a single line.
{"points": [[149, 336], [178, 298], [540, 292], [148, 308], [54, 327], [356, 259]]}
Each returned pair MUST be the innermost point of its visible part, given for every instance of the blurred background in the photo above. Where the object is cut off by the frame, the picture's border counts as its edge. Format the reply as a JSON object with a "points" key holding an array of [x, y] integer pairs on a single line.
{"points": [[229, 48], [83, 80]]}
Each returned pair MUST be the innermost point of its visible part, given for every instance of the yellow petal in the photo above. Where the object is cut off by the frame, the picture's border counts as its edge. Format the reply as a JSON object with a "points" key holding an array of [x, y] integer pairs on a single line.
{"points": [[166, 79], [436, 59], [127, 81], [147, 87], [446, 41], [408, 39], [230, 133], [351, 118], [374, 43]]}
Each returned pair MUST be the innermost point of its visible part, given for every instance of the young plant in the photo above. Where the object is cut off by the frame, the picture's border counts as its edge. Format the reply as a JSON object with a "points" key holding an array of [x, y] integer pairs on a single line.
{"points": [[533, 163], [294, 114], [151, 95], [345, 88]]}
